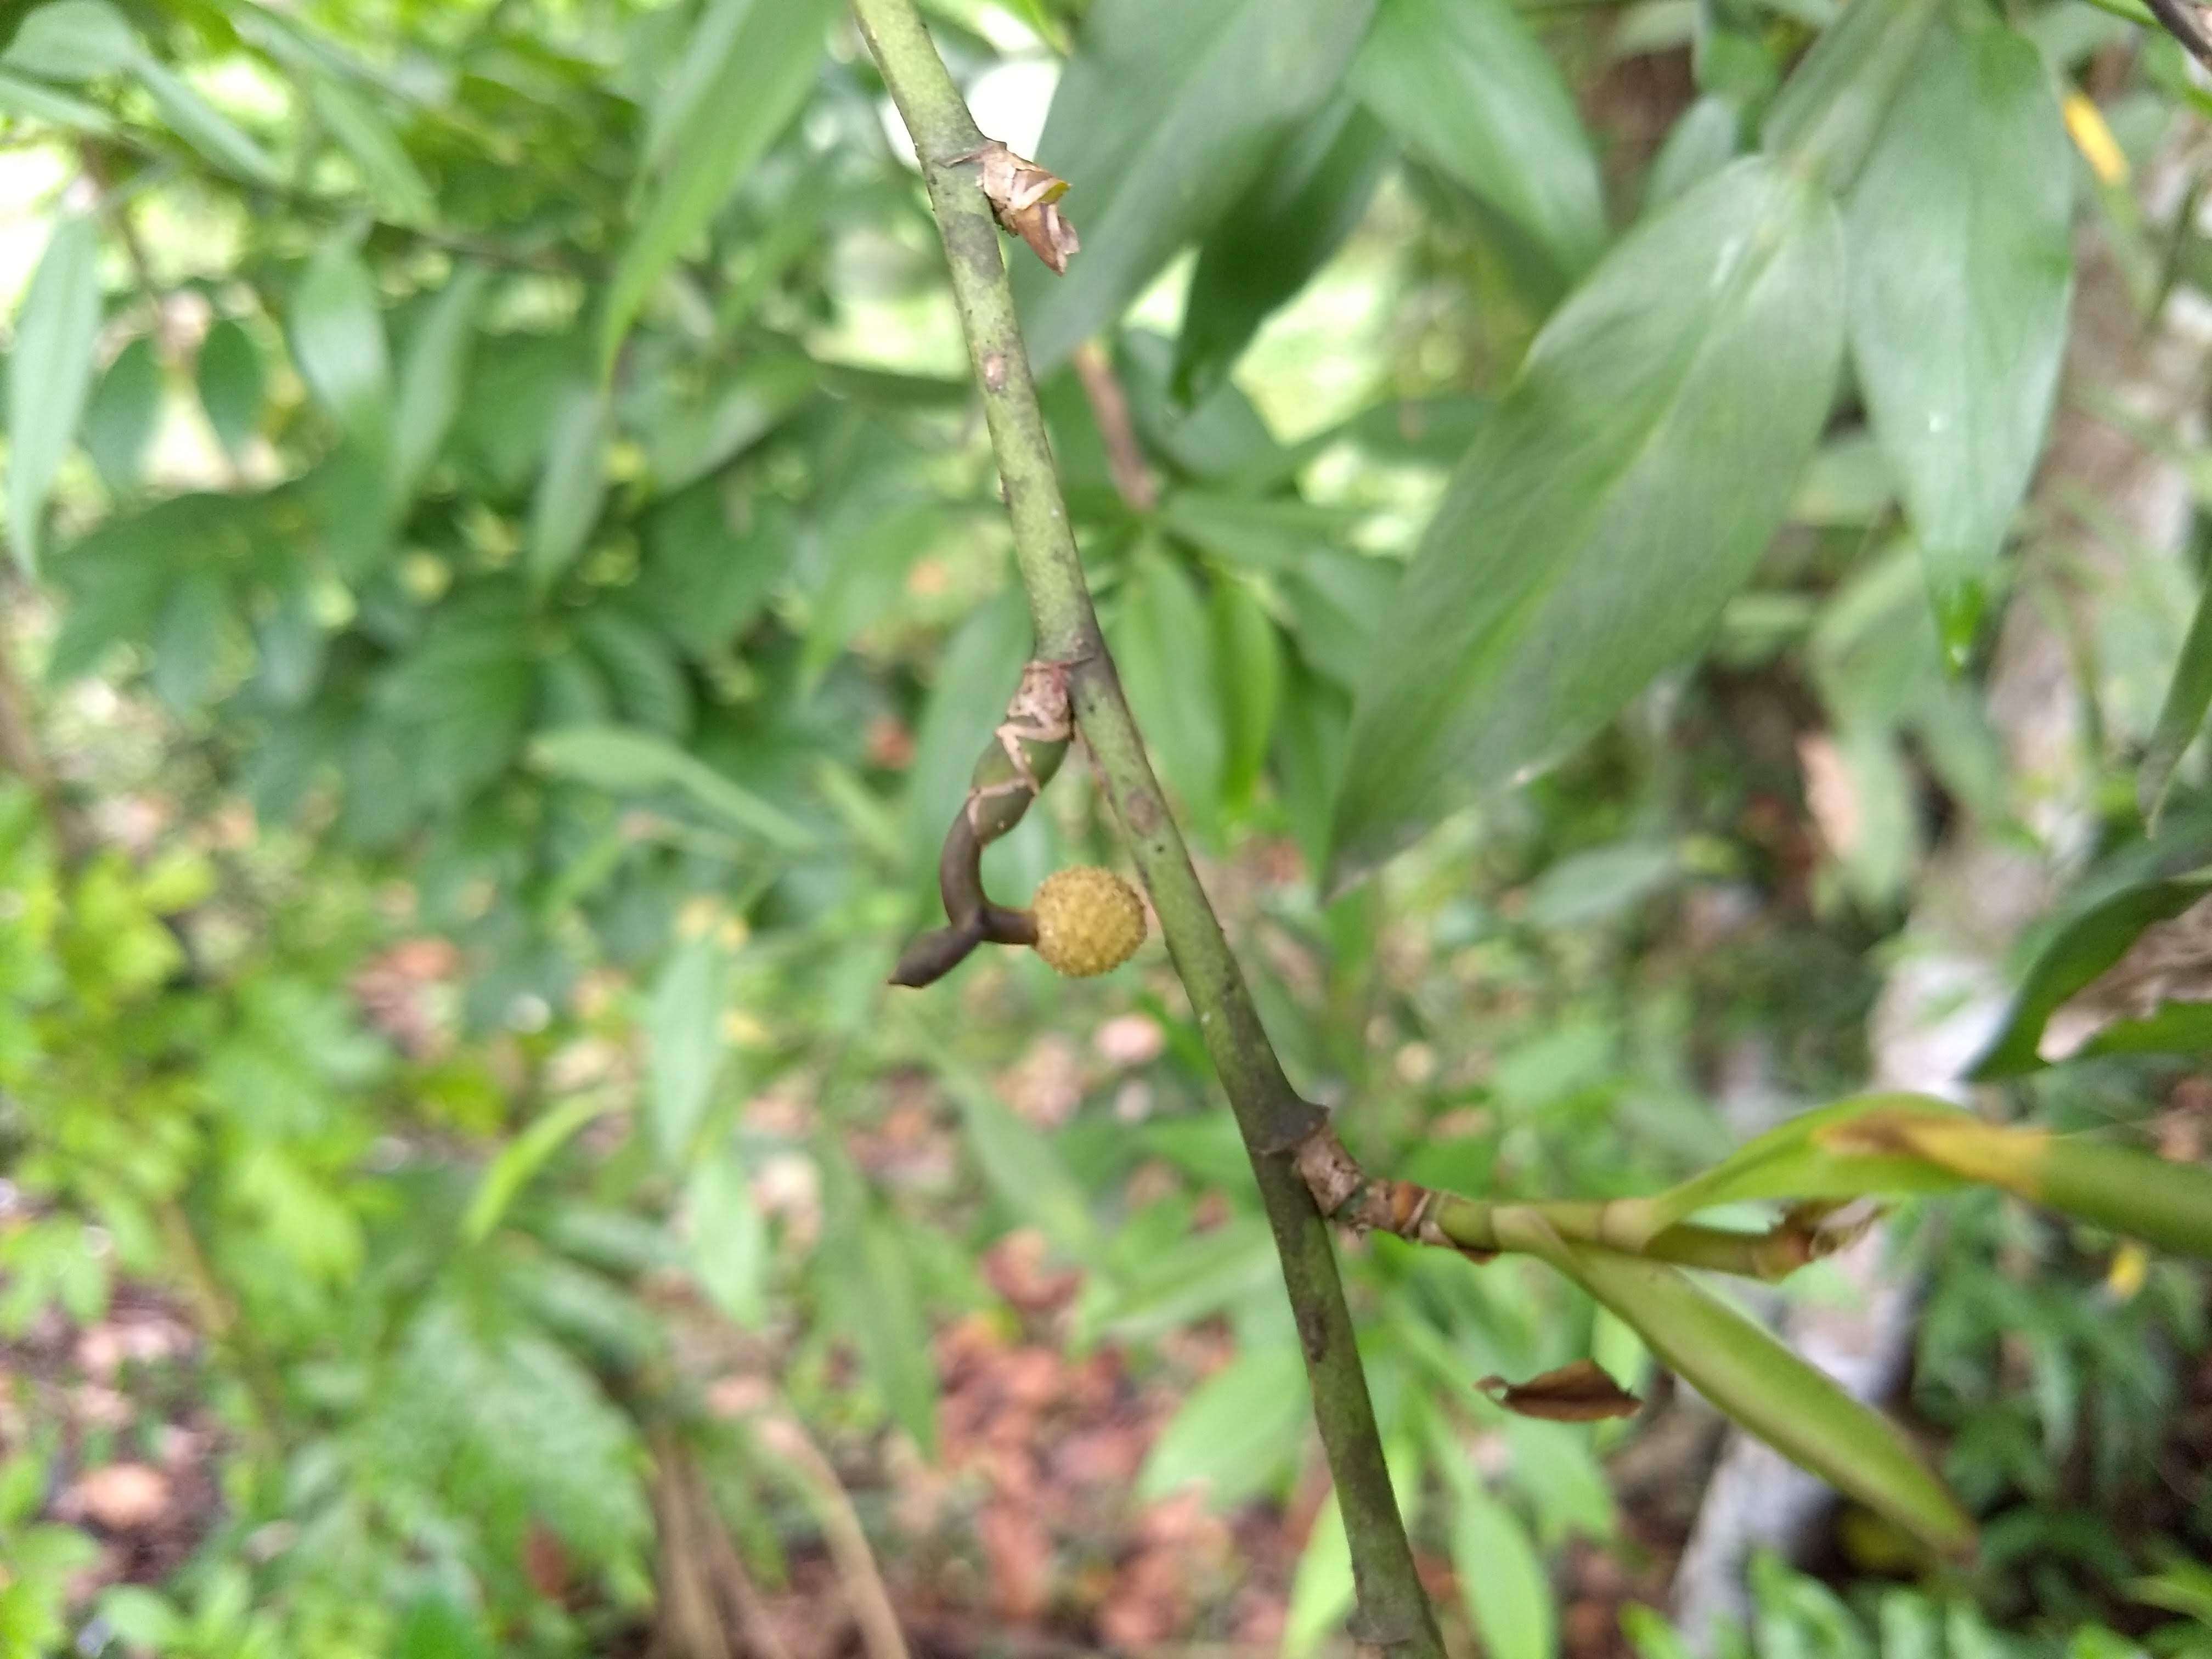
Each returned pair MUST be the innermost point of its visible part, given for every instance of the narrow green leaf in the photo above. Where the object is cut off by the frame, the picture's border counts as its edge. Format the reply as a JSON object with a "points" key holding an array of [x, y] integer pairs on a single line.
{"points": [[50, 374], [1770, 1391], [520, 1160], [1249, 652], [684, 1024], [1163, 644], [2181, 717], [622, 761], [727, 1239], [1705, 138], [1618, 496], [1961, 272], [73, 41], [2086, 946], [1024, 1168], [980, 670], [395, 184], [205, 128], [1502, 1580], [1236, 1434], [231, 385], [188, 641], [762, 75], [1468, 89], [1165, 116], [572, 485], [1282, 231], [337, 340], [124, 409], [434, 372], [1829, 113], [33, 100]]}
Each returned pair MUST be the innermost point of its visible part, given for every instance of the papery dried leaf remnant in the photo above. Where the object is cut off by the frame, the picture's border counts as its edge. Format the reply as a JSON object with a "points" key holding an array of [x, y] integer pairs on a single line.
{"points": [[1580, 1393], [1024, 200]]}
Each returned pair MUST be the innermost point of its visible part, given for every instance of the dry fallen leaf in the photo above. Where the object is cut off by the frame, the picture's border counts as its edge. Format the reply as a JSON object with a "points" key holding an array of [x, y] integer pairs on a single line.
{"points": [[1580, 1393], [1024, 200]]}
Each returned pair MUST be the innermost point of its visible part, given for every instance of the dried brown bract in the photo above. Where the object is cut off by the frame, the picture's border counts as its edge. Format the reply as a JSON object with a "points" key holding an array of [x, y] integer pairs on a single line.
{"points": [[1024, 199], [1580, 1393]]}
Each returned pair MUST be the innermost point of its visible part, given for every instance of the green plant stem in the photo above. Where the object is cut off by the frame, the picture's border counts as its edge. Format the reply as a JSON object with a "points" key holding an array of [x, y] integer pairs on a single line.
{"points": [[1394, 1614]]}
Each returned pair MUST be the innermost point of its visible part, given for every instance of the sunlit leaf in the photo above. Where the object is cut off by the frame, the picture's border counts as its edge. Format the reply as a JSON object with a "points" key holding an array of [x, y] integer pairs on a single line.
{"points": [[1166, 115], [2181, 717], [50, 374], [625, 762], [1468, 89]]}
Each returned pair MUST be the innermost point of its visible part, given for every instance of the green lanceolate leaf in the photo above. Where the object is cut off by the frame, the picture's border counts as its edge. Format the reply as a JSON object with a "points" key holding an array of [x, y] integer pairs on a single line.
{"points": [[760, 52], [231, 385], [49, 375], [1235, 1435], [431, 374], [1162, 643], [1617, 498], [1468, 89], [2179, 717], [1962, 268], [1166, 115], [1826, 118], [683, 1023], [1249, 652], [1770, 1391], [1285, 227], [2084, 948], [1501, 1579], [395, 183], [120, 418], [623, 760], [521, 1158], [337, 340]]}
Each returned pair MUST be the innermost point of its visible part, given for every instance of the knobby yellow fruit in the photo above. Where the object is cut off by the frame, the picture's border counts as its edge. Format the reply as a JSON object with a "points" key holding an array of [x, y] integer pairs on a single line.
{"points": [[1087, 921]]}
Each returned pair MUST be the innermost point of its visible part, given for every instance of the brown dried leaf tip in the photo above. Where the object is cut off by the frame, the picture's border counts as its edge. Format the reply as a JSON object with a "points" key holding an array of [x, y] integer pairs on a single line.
{"points": [[1580, 1393], [1024, 200]]}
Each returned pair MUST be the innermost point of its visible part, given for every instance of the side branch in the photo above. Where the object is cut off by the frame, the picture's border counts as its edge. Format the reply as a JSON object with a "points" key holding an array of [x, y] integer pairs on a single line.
{"points": [[1346, 1194]]}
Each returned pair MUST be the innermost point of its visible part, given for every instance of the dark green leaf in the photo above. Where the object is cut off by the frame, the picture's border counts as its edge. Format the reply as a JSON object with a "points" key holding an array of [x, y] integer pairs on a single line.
{"points": [[1249, 652], [124, 409], [2181, 717], [1617, 499], [1962, 268], [1166, 115], [705, 578], [521, 1158], [231, 385], [1467, 85], [49, 373], [188, 643], [649, 686], [2086, 946], [756, 57], [1282, 230]]}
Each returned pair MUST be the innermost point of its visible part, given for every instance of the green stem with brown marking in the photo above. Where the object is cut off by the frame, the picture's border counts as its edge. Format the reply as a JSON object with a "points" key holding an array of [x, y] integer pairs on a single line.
{"points": [[1394, 1614]]}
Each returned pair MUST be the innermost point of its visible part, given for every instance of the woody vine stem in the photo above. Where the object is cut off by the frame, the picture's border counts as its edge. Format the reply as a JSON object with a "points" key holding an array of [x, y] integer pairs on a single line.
{"points": [[1394, 1614]]}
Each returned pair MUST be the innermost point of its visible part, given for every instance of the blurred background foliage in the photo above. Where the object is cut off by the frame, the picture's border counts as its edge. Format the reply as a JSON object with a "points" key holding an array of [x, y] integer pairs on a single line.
{"points": [[509, 586]]}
